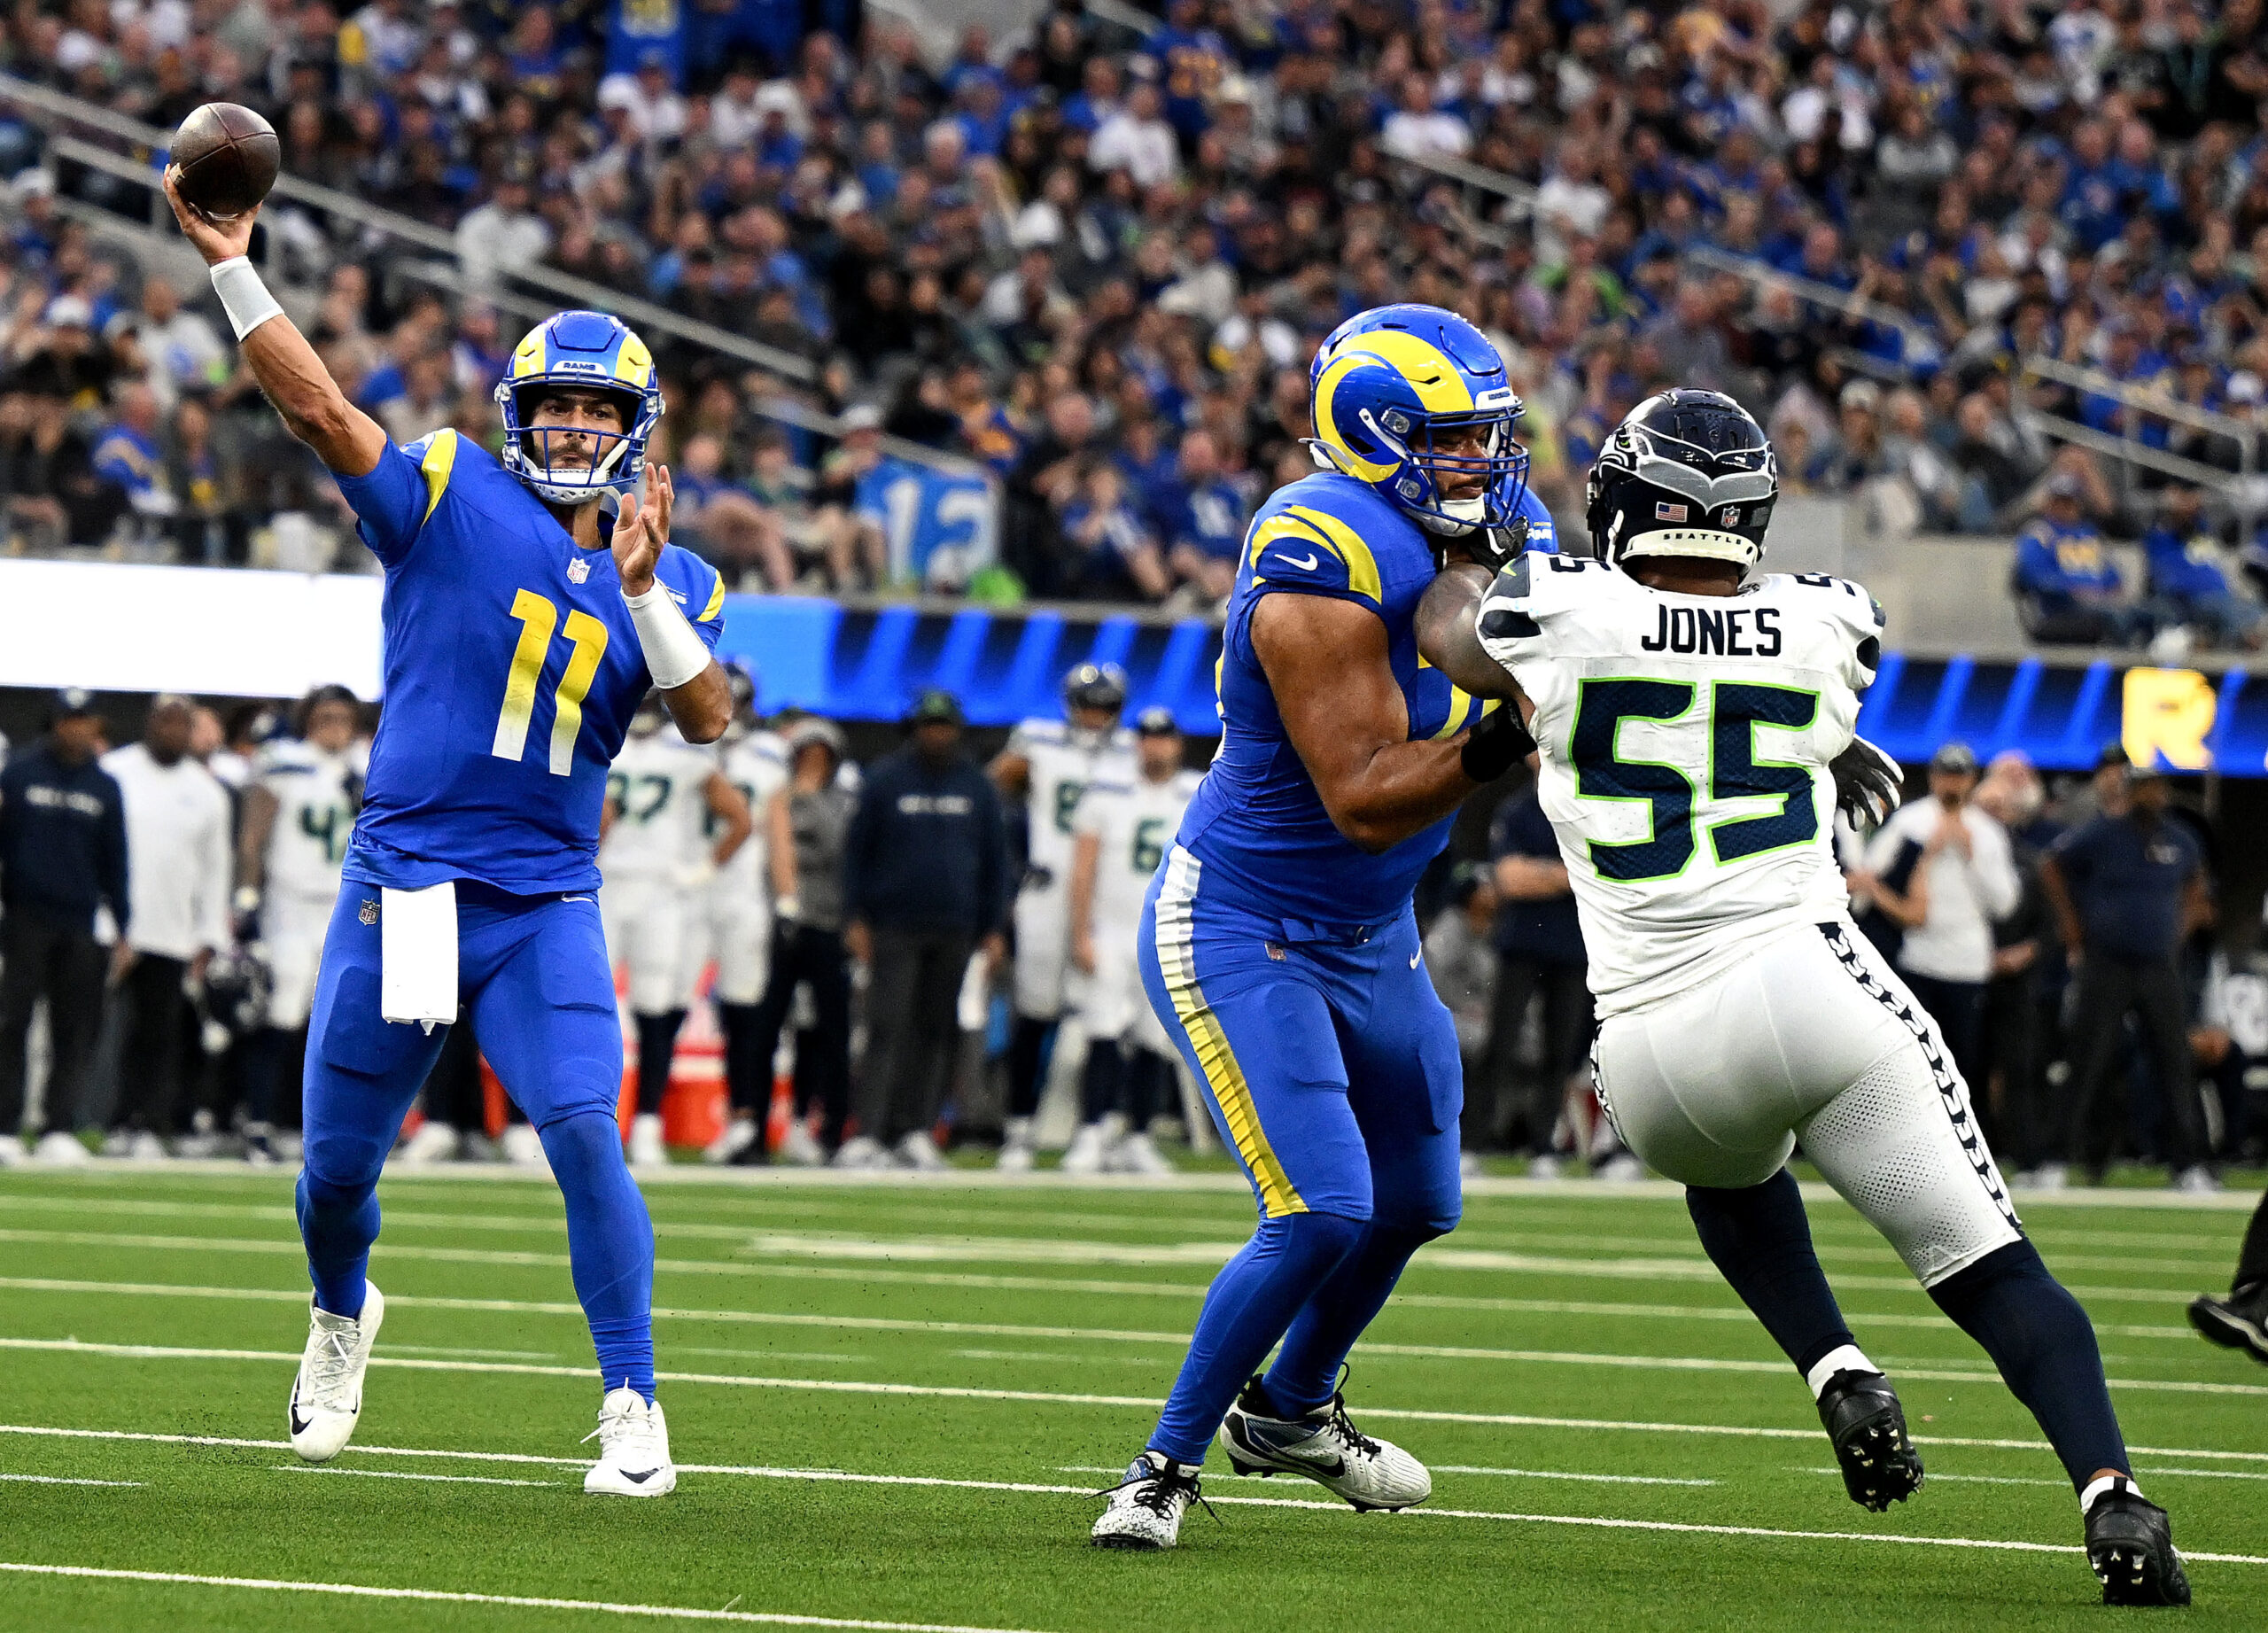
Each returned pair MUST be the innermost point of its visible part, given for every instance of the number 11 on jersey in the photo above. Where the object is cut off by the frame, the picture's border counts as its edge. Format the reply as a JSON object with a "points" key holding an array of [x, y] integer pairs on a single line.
{"points": [[537, 619]]}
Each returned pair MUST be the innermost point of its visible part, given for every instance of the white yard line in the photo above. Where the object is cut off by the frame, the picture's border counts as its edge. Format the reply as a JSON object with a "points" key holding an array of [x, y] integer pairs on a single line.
{"points": [[684, 1613], [1553, 1358], [1444, 1468], [60, 1480], [390, 1473]]}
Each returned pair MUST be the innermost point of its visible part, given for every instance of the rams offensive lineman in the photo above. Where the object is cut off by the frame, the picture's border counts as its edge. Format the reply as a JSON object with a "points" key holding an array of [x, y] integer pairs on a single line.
{"points": [[1120, 831], [1696, 724], [1277, 942], [297, 813], [1047, 765], [525, 616], [662, 797]]}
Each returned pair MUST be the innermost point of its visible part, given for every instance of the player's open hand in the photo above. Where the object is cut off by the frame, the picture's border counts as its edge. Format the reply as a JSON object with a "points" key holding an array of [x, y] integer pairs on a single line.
{"points": [[216, 239], [642, 529]]}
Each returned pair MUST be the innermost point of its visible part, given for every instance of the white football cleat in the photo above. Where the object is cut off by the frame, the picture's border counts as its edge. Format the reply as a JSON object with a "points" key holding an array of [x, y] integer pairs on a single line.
{"points": [[1088, 1150], [327, 1395], [434, 1142], [60, 1150], [740, 1133], [1145, 1508], [918, 1152], [800, 1146], [647, 1151], [633, 1449], [861, 1152], [523, 1147], [1324, 1446], [1138, 1153], [13, 1154]]}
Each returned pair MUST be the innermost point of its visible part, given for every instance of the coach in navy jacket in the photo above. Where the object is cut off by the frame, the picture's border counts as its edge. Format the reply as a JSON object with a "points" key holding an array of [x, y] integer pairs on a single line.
{"points": [[62, 856], [926, 882]]}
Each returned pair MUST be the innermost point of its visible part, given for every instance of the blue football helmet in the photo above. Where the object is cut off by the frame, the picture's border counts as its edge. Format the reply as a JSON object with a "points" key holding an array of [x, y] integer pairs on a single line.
{"points": [[595, 352], [1387, 386]]}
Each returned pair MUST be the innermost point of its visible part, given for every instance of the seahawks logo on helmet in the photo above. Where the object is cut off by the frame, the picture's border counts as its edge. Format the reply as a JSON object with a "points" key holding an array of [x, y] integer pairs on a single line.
{"points": [[1686, 473]]}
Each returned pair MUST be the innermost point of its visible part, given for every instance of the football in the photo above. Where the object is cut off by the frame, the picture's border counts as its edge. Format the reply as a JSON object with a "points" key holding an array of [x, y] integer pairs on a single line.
{"points": [[227, 156]]}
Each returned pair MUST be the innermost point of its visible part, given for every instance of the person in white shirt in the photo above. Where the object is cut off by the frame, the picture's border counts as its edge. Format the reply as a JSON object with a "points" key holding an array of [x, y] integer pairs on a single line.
{"points": [[736, 929], [1418, 129], [177, 850], [299, 813], [658, 866], [502, 237], [1135, 139], [1943, 870], [1120, 831]]}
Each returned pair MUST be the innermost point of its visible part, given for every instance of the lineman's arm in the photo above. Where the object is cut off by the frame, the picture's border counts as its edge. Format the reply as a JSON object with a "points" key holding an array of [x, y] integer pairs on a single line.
{"points": [[726, 804], [293, 377], [1325, 660], [1449, 632]]}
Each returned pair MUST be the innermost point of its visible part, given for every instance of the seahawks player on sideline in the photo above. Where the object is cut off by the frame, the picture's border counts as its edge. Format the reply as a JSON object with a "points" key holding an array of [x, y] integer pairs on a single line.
{"points": [[1696, 727], [297, 813], [661, 795], [1119, 834], [1277, 942], [524, 617], [1046, 766], [737, 925]]}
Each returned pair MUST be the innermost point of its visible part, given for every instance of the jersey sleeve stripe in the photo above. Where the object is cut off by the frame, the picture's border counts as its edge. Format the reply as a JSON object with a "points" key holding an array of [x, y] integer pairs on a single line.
{"points": [[1277, 529], [716, 599], [1362, 565], [439, 459]]}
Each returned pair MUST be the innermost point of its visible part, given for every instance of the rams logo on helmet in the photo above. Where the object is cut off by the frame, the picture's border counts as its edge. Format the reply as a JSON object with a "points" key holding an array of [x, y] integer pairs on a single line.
{"points": [[586, 350]]}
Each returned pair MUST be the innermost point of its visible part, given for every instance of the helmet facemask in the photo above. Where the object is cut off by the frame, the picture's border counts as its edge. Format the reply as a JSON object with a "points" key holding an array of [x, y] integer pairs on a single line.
{"points": [[614, 455]]}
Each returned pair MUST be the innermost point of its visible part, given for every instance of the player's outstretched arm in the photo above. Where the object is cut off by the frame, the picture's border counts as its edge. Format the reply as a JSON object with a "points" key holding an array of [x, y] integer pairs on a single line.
{"points": [[1326, 662], [1448, 636], [347, 440]]}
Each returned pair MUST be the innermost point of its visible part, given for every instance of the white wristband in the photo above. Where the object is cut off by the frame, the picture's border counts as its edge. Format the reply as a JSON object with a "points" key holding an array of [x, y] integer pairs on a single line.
{"points": [[674, 652], [243, 296]]}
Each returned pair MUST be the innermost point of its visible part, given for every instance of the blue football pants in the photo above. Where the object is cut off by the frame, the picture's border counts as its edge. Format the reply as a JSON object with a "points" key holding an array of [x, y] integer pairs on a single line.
{"points": [[1330, 1068], [533, 974]]}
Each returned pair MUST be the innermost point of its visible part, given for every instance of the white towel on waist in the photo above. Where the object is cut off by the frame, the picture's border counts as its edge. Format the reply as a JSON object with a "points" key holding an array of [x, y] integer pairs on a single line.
{"points": [[418, 954]]}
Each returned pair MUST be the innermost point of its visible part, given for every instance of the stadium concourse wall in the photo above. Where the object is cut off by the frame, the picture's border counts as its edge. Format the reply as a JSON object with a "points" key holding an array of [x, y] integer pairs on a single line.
{"points": [[134, 629]]}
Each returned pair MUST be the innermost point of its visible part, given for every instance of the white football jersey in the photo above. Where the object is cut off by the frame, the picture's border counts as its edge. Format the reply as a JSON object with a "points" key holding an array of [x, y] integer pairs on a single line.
{"points": [[1684, 743], [314, 817], [1136, 822], [757, 767], [659, 787], [1063, 761]]}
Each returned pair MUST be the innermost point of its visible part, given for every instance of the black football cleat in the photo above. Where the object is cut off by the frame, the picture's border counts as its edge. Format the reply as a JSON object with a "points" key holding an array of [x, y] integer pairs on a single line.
{"points": [[2130, 1545], [2238, 1322], [1867, 1428]]}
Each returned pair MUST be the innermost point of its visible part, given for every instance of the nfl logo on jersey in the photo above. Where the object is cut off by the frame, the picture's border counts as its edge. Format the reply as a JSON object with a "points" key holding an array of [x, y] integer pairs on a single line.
{"points": [[577, 570]]}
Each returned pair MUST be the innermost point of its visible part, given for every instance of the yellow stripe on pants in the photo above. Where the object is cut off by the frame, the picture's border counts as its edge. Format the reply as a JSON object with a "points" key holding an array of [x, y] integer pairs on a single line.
{"points": [[1218, 1062]]}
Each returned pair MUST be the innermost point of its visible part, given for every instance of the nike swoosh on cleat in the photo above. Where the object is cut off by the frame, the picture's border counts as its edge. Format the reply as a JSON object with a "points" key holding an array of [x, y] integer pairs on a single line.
{"points": [[1308, 563], [301, 1425], [640, 1477]]}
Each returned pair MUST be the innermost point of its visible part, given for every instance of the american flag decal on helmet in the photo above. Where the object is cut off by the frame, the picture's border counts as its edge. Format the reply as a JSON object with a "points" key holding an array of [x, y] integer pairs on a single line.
{"points": [[1665, 511]]}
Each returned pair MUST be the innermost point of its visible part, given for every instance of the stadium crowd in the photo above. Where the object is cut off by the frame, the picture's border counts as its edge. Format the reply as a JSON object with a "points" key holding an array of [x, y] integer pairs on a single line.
{"points": [[903, 941], [1095, 262]]}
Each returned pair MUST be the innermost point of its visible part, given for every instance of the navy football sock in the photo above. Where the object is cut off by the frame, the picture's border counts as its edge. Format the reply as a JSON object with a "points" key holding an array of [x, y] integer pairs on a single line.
{"points": [[1306, 1373], [339, 1223], [1027, 1057], [1102, 1085], [656, 1048], [610, 1244], [2045, 1348], [1246, 1309], [1146, 1077], [1759, 1240]]}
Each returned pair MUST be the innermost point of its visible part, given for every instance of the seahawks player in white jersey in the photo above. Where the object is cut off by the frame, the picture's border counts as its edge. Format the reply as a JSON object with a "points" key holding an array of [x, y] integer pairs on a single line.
{"points": [[737, 927], [297, 814], [1695, 724], [657, 865], [1120, 833], [1046, 767]]}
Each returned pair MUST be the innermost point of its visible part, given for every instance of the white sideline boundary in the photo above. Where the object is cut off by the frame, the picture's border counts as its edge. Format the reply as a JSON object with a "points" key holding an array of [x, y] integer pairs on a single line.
{"points": [[987, 1329], [683, 1613], [1036, 1488], [1548, 1358], [692, 1176]]}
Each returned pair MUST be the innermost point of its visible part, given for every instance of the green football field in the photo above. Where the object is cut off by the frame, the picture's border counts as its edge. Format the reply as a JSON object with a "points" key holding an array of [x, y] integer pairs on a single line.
{"points": [[888, 1401]]}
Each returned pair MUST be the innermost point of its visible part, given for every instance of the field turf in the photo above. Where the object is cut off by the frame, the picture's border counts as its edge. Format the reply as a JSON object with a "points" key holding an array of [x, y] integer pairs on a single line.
{"points": [[888, 1401]]}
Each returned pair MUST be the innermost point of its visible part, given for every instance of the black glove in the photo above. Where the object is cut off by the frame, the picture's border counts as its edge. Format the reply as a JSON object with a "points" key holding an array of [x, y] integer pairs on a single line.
{"points": [[1868, 784], [1493, 745]]}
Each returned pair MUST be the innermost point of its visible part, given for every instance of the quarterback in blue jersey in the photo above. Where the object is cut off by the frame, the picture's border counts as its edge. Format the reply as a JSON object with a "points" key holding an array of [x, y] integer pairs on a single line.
{"points": [[529, 605], [1278, 945]]}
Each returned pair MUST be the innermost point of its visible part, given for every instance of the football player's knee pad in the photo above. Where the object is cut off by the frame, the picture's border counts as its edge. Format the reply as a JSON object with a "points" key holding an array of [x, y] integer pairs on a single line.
{"points": [[1320, 1240]]}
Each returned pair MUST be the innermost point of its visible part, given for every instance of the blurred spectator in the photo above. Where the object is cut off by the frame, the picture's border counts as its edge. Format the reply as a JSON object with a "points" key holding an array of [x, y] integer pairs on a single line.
{"points": [[1942, 869], [128, 456], [177, 819], [2067, 589], [1462, 964], [2126, 889], [181, 349], [53, 493], [723, 523], [2021, 999], [2188, 578], [63, 859], [925, 866], [1539, 945], [1204, 525]]}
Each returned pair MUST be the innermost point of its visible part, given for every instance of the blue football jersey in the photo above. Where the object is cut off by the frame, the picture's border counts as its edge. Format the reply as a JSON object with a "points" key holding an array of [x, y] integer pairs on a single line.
{"points": [[511, 672], [1257, 823]]}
